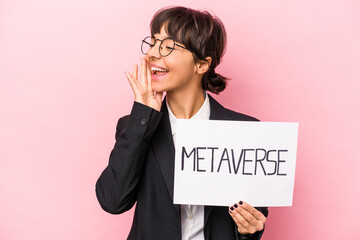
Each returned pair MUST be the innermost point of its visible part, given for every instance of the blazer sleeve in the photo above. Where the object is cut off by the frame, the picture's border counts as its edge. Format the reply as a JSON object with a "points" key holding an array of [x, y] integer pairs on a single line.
{"points": [[117, 184]]}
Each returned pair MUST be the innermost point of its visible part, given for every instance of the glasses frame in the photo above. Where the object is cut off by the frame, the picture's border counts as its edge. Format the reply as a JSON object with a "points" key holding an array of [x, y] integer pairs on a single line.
{"points": [[161, 41]]}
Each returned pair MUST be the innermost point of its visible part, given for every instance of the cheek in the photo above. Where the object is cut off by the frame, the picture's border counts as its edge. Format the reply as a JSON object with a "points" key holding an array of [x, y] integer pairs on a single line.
{"points": [[183, 68]]}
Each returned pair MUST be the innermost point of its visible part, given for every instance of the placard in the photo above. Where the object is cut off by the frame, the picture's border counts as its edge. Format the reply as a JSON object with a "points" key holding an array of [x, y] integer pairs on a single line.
{"points": [[221, 162]]}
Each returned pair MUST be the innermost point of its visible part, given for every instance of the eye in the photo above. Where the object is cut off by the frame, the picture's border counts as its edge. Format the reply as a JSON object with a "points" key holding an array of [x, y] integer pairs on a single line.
{"points": [[166, 47]]}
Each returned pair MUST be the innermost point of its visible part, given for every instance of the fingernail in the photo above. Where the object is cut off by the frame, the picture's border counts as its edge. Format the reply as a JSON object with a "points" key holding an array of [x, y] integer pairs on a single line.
{"points": [[235, 205], [240, 202], [232, 209], [229, 211]]}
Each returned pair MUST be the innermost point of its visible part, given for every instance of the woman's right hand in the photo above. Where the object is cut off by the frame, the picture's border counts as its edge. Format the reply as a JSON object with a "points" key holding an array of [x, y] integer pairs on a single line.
{"points": [[142, 89]]}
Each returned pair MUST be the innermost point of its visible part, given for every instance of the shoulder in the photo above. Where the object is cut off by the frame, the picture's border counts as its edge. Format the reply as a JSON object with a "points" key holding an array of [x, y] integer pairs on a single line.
{"points": [[218, 112], [240, 116]]}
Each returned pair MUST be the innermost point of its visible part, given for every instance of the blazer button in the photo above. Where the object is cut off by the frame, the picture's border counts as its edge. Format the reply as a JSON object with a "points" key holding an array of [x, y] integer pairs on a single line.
{"points": [[143, 121]]}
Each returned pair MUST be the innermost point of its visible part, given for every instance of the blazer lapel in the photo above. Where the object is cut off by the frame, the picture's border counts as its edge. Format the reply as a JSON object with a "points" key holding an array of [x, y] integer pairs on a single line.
{"points": [[164, 149], [217, 111]]}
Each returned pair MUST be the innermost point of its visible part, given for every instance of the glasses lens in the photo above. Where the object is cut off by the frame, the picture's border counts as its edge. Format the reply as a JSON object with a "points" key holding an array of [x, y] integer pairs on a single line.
{"points": [[146, 44], [167, 46]]}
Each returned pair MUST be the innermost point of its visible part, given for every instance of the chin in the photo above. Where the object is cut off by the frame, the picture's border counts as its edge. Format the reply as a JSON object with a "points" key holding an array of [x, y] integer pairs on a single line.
{"points": [[157, 87]]}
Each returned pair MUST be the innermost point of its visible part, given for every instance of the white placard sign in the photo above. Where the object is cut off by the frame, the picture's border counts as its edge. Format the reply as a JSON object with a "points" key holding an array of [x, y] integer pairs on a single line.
{"points": [[221, 162]]}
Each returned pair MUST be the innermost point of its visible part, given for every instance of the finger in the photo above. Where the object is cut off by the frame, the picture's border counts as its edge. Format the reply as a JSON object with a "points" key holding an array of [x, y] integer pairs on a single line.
{"points": [[148, 75], [135, 72], [259, 215], [143, 71], [253, 211], [241, 219], [133, 83], [158, 96], [243, 226], [241, 229], [248, 216], [235, 219], [147, 58]]}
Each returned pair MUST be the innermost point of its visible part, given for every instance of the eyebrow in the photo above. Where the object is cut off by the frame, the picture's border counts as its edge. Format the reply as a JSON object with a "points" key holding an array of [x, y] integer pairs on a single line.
{"points": [[176, 42], [162, 38]]}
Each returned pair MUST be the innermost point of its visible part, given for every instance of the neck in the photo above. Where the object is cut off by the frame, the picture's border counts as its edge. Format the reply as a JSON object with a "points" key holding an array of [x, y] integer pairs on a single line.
{"points": [[185, 105]]}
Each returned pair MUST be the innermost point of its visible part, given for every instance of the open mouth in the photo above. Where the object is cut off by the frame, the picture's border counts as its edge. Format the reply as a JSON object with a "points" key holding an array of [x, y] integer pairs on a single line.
{"points": [[159, 71]]}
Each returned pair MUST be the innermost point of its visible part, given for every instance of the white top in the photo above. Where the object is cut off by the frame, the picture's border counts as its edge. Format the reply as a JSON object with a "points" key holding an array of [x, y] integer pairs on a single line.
{"points": [[192, 216]]}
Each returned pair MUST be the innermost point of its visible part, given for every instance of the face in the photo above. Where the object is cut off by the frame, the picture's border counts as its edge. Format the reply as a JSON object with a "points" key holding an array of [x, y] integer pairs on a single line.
{"points": [[175, 72]]}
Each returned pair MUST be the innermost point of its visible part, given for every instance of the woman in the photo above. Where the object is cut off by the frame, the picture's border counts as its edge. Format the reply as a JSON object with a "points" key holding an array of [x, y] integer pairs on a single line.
{"points": [[181, 55]]}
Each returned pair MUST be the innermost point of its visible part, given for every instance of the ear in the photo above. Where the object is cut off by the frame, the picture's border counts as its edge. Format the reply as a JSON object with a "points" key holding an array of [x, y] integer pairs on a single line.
{"points": [[203, 65]]}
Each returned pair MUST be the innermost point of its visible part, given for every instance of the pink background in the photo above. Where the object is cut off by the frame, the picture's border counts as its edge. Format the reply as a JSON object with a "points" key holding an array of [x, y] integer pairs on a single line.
{"points": [[63, 89]]}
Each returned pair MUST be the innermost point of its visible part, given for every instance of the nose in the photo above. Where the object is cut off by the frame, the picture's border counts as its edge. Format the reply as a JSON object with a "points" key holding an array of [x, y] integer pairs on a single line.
{"points": [[154, 52]]}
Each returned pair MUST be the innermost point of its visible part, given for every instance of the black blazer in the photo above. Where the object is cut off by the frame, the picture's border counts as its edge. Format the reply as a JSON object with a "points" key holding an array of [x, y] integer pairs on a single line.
{"points": [[141, 169]]}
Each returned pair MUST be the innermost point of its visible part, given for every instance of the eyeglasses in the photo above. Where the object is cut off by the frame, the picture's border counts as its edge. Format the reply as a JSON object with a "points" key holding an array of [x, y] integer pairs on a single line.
{"points": [[167, 45]]}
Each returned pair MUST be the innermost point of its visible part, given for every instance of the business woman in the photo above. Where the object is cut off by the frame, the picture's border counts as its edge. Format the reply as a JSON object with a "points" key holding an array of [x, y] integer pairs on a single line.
{"points": [[181, 55]]}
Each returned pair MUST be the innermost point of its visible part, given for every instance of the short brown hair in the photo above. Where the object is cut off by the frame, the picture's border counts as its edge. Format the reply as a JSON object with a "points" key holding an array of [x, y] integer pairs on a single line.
{"points": [[200, 32]]}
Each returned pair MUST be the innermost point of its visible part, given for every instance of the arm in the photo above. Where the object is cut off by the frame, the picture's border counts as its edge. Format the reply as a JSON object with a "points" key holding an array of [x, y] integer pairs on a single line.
{"points": [[116, 187]]}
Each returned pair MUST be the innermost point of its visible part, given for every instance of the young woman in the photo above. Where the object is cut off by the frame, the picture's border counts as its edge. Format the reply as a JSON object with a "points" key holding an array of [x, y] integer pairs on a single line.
{"points": [[181, 55]]}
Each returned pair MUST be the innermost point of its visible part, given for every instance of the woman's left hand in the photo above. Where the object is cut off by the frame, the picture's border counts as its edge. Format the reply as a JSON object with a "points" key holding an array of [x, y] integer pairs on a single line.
{"points": [[247, 218]]}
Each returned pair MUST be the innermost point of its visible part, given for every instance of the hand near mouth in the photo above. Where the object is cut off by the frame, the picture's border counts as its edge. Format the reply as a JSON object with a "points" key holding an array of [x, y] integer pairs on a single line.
{"points": [[142, 89]]}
